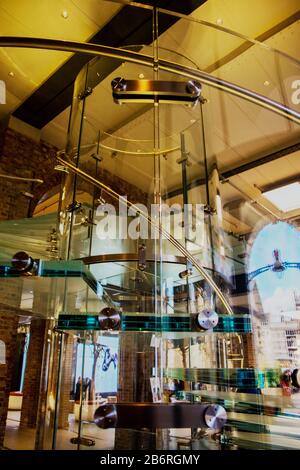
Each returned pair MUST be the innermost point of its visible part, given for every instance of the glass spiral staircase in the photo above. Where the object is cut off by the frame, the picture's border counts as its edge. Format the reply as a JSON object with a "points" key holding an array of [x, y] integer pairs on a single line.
{"points": [[181, 308]]}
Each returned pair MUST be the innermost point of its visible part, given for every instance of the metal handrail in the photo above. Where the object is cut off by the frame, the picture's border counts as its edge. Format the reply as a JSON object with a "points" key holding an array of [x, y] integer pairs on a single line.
{"points": [[148, 61], [154, 224]]}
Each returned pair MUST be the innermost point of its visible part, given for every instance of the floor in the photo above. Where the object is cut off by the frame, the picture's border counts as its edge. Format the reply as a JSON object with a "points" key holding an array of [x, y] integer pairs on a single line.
{"points": [[19, 438], [281, 431]]}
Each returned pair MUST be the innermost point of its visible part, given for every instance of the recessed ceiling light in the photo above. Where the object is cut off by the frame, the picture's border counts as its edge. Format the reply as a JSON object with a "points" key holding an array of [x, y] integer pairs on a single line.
{"points": [[141, 75], [219, 21], [65, 14], [266, 83], [192, 121], [11, 74], [286, 198]]}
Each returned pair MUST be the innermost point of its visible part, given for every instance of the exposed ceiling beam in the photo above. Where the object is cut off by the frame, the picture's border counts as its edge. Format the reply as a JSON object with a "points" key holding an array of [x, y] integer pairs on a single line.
{"points": [[270, 157], [55, 94], [247, 45], [226, 174]]}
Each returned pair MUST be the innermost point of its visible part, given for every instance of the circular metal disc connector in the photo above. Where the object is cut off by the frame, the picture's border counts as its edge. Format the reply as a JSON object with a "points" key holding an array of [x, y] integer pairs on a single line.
{"points": [[106, 416], [109, 319], [21, 261], [207, 319], [118, 84], [215, 416], [193, 87]]}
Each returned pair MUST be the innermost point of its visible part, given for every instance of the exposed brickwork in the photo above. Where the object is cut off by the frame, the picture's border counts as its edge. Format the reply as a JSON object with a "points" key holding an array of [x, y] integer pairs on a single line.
{"points": [[33, 374], [66, 406], [41, 414], [248, 348], [8, 334], [136, 359], [10, 295], [22, 156]]}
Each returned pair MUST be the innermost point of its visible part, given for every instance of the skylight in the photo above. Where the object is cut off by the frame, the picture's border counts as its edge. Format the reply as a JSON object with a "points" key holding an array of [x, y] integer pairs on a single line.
{"points": [[286, 198]]}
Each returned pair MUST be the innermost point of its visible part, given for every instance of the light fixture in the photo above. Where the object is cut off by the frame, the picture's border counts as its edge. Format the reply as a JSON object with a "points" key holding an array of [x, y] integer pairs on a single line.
{"points": [[11, 74], [219, 21], [65, 14], [141, 76], [286, 198], [266, 83]]}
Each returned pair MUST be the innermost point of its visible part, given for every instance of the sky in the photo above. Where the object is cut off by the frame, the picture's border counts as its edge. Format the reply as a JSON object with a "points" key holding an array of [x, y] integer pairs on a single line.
{"points": [[276, 289]]}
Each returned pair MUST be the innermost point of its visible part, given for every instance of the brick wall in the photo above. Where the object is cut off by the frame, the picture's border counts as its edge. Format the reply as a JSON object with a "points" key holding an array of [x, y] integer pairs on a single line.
{"points": [[66, 406], [136, 359], [25, 157], [8, 334], [248, 348], [22, 156], [10, 295], [31, 389]]}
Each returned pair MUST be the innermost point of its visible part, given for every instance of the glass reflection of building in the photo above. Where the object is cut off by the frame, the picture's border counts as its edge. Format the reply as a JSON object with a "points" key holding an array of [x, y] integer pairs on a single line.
{"points": [[195, 314], [275, 295]]}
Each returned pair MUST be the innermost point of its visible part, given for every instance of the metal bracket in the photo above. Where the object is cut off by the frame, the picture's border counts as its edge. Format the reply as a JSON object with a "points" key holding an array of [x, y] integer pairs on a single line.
{"points": [[164, 91], [85, 93], [83, 441]]}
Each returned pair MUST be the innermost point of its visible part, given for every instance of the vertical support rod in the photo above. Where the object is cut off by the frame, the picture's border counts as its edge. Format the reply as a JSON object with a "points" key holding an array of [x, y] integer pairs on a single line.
{"points": [[57, 391], [81, 395]]}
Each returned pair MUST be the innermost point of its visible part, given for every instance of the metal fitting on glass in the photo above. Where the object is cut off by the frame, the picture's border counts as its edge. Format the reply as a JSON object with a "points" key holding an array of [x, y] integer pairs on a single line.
{"points": [[74, 206], [109, 319], [97, 157], [207, 319], [215, 417], [185, 273], [106, 416], [22, 262], [145, 91], [160, 415], [142, 257], [88, 91], [193, 87]]}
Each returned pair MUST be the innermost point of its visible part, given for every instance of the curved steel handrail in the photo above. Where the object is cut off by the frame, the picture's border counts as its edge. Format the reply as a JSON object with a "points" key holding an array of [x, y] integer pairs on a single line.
{"points": [[148, 61], [208, 24], [112, 257], [154, 224]]}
